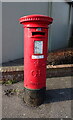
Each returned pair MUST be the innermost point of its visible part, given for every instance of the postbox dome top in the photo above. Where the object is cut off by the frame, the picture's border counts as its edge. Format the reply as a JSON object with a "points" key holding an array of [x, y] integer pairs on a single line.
{"points": [[35, 17]]}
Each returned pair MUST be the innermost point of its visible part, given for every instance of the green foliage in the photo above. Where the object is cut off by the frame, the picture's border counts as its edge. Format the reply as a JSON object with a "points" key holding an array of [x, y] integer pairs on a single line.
{"points": [[9, 82]]}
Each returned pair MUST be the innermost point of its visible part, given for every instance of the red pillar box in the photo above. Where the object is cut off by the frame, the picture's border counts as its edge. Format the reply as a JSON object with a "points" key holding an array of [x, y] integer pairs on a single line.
{"points": [[35, 56]]}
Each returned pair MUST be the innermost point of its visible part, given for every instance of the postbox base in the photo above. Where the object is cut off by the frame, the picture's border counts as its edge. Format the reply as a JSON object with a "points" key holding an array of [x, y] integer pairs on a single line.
{"points": [[34, 97]]}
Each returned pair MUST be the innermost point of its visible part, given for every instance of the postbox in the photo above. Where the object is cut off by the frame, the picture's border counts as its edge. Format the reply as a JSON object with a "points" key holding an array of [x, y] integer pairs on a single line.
{"points": [[35, 56]]}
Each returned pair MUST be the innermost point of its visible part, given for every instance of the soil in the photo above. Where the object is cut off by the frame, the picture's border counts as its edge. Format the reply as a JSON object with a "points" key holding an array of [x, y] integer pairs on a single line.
{"points": [[64, 56], [58, 57]]}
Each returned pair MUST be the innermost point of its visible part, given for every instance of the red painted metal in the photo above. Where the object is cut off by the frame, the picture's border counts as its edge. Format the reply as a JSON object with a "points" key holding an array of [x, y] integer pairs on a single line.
{"points": [[35, 41]]}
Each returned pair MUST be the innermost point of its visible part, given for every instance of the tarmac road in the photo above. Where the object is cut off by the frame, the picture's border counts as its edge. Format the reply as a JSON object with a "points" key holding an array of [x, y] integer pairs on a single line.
{"points": [[59, 92]]}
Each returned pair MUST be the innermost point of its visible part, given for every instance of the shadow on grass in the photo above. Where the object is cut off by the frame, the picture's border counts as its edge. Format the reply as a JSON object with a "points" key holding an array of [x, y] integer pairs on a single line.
{"points": [[57, 95]]}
